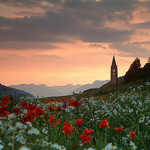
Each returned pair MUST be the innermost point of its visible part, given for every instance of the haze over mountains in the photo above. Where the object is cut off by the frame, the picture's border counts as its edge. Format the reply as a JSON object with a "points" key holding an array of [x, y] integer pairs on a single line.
{"points": [[4, 90], [95, 84], [46, 91]]}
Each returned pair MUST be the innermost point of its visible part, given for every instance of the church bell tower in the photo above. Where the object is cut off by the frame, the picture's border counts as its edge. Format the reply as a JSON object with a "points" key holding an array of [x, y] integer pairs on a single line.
{"points": [[114, 72]]}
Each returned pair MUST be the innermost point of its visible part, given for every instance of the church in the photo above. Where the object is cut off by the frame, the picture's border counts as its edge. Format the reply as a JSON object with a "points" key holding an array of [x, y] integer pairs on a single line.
{"points": [[114, 72]]}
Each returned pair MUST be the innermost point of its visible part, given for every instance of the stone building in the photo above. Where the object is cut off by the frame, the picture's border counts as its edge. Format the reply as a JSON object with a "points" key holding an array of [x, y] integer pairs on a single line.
{"points": [[114, 72]]}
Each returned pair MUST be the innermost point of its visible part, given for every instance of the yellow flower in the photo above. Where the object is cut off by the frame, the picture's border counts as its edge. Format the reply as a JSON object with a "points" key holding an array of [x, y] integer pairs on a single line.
{"points": [[19, 134], [56, 143], [63, 131], [71, 122], [42, 116], [23, 147]]}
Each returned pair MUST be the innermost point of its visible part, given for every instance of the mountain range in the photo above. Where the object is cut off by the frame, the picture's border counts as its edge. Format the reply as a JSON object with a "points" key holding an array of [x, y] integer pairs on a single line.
{"points": [[5, 90], [43, 90]]}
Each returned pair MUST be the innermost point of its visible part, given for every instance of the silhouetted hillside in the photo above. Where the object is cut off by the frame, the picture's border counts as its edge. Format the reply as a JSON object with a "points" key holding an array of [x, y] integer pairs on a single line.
{"points": [[105, 89], [120, 79], [4, 90], [95, 84]]}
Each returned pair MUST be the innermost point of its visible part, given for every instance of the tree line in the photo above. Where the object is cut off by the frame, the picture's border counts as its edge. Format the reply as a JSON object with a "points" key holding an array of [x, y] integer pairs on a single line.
{"points": [[136, 72]]}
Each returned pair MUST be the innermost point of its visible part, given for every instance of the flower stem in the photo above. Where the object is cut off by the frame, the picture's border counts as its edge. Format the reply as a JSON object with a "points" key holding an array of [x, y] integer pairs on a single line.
{"points": [[13, 140]]}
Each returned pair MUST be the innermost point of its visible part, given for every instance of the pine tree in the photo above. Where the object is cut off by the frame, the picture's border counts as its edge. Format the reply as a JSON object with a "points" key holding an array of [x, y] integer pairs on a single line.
{"points": [[134, 71], [146, 70], [135, 65]]}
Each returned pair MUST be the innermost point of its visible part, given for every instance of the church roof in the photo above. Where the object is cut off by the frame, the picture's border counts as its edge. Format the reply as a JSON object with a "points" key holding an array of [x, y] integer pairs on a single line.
{"points": [[113, 61]]}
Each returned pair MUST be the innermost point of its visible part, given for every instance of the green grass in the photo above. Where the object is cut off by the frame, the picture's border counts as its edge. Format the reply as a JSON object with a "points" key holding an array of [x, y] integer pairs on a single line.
{"points": [[128, 107], [112, 88]]}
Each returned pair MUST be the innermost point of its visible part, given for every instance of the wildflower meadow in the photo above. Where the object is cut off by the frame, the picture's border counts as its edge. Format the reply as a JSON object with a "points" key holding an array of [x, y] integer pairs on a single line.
{"points": [[120, 122]]}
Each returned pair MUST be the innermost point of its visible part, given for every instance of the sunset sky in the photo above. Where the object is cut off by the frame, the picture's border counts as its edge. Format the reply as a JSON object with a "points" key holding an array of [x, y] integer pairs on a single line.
{"points": [[59, 42]]}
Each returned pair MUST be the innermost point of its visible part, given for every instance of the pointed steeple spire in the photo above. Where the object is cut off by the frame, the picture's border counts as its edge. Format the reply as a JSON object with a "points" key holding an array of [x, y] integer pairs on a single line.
{"points": [[114, 71], [113, 61]]}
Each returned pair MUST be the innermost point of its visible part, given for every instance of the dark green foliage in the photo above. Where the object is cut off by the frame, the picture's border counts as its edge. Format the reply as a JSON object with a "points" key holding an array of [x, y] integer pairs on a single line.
{"points": [[134, 71], [146, 70]]}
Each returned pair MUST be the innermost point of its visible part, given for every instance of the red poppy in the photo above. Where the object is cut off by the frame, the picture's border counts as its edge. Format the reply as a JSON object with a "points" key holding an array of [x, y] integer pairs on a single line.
{"points": [[66, 123], [51, 108], [79, 122], [49, 100], [5, 101], [16, 110], [31, 107], [4, 112], [88, 132], [75, 146], [104, 123], [132, 134], [24, 104], [119, 129], [67, 128], [64, 99], [86, 137], [3, 105], [53, 120], [27, 118], [39, 111], [75, 104], [58, 108]]}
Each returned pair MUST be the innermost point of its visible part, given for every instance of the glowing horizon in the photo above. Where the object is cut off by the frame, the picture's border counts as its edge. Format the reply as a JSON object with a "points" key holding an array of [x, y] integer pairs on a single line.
{"points": [[71, 42]]}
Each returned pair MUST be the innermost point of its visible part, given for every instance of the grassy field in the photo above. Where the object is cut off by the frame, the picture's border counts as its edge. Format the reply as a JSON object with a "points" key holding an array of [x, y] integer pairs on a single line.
{"points": [[115, 120]]}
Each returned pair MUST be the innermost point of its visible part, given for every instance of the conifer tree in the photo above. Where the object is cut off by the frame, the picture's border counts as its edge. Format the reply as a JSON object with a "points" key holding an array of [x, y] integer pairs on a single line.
{"points": [[146, 70], [134, 71]]}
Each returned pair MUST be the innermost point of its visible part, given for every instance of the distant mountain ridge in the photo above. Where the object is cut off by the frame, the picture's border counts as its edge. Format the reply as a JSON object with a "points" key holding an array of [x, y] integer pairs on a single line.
{"points": [[47, 91], [95, 84], [5, 90], [66, 89], [38, 90]]}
